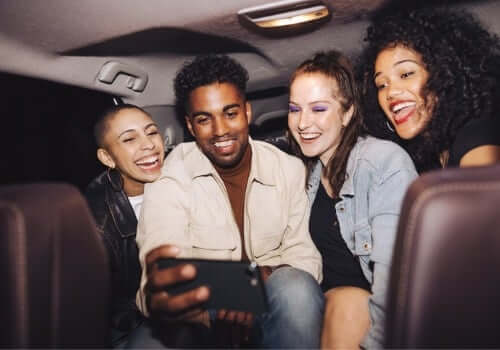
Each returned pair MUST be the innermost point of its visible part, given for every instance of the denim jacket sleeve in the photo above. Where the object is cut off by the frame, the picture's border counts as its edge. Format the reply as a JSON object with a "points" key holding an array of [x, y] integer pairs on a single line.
{"points": [[385, 199]]}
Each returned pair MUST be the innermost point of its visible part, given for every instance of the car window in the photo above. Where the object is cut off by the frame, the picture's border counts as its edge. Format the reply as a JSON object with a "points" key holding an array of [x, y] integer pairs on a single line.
{"points": [[47, 131]]}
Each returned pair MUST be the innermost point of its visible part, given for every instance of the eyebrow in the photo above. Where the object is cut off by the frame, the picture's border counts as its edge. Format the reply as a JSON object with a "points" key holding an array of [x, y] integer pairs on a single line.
{"points": [[150, 125], [130, 130], [230, 106], [194, 115], [397, 63]]}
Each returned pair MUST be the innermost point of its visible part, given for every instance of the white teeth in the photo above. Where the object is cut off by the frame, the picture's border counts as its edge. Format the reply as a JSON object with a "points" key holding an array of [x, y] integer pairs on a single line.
{"points": [[309, 136], [147, 160], [224, 143], [402, 105]]}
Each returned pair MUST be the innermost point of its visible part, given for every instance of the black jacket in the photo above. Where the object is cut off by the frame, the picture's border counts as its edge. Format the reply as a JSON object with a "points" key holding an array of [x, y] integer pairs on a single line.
{"points": [[117, 224]]}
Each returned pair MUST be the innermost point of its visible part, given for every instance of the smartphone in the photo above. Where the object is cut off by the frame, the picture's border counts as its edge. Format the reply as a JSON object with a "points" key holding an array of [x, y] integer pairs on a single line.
{"points": [[234, 285]]}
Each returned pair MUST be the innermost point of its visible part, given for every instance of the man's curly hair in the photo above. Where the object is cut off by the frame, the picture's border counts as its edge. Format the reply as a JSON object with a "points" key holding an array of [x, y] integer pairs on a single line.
{"points": [[463, 62], [206, 70]]}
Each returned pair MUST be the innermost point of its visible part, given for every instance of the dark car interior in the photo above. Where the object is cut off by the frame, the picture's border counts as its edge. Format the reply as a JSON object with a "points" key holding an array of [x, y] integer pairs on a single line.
{"points": [[62, 63]]}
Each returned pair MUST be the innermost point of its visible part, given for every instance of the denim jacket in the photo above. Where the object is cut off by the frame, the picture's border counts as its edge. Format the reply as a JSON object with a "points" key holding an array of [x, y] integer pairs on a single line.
{"points": [[377, 177]]}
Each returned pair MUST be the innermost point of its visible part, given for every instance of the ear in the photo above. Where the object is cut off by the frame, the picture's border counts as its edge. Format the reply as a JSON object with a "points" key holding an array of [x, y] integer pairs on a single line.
{"points": [[189, 125], [248, 108], [105, 158], [347, 116]]}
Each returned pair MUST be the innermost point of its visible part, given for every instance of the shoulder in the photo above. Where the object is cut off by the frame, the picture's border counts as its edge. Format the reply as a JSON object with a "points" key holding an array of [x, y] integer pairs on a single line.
{"points": [[177, 164], [95, 191], [272, 157], [477, 132], [95, 194], [96, 185], [270, 152], [381, 155]]}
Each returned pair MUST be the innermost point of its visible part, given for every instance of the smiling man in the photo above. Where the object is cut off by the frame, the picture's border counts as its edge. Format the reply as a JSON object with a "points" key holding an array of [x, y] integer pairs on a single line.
{"points": [[227, 197]]}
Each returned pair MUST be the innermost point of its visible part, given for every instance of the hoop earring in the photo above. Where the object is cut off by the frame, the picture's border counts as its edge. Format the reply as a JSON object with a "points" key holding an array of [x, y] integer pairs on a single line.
{"points": [[389, 126], [114, 177]]}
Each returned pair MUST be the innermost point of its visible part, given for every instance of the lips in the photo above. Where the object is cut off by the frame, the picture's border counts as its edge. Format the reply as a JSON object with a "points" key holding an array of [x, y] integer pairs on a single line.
{"points": [[402, 110], [148, 163], [309, 137], [225, 146]]}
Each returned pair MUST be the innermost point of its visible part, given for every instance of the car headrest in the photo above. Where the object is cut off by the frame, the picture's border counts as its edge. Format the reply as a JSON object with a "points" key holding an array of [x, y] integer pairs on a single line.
{"points": [[445, 278], [54, 268]]}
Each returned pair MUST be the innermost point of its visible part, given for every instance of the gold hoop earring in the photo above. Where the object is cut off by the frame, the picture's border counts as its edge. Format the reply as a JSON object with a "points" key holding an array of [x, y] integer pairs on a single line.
{"points": [[389, 126], [115, 179]]}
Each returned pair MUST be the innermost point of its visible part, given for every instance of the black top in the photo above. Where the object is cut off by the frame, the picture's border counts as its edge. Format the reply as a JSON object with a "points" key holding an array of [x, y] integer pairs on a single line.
{"points": [[340, 267], [477, 132]]}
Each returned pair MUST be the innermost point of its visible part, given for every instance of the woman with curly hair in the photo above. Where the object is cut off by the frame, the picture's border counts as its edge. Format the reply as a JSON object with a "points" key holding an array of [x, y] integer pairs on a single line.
{"points": [[434, 73], [356, 184]]}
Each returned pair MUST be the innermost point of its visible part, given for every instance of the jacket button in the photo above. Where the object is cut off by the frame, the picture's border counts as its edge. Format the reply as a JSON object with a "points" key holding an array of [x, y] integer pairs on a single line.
{"points": [[341, 208], [366, 245]]}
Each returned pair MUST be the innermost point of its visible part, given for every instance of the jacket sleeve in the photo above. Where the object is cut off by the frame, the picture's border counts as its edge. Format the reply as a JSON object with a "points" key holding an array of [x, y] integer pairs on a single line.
{"points": [[163, 220], [298, 248], [385, 200]]}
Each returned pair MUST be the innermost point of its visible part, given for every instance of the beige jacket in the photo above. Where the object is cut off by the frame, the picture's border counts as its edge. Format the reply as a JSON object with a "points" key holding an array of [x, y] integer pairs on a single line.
{"points": [[188, 206]]}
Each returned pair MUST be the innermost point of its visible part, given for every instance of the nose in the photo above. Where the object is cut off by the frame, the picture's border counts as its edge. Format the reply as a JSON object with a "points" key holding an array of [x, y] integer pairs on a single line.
{"points": [[147, 143], [220, 127], [393, 90], [304, 120]]}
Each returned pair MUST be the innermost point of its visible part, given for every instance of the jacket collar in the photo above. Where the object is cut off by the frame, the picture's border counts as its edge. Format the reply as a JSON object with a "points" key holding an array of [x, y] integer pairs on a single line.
{"points": [[200, 165], [119, 208]]}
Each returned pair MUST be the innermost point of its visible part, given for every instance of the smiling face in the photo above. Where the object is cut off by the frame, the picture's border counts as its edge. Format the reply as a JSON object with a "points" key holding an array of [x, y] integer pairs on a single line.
{"points": [[316, 117], [133, 145], [400, 77], [218, 119]]}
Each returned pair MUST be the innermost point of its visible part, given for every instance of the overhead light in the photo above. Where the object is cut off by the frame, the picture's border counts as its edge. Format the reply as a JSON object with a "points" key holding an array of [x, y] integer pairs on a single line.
{"points": [[285, 17]]}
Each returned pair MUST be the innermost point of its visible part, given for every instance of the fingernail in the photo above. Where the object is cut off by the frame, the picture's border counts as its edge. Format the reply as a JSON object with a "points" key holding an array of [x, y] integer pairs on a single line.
{"points": [[202, 293], [188, 271]]}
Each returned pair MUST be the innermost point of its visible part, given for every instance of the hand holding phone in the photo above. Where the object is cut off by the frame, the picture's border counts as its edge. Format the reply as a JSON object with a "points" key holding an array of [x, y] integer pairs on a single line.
{"points": [[183, 306], [233, 285]]}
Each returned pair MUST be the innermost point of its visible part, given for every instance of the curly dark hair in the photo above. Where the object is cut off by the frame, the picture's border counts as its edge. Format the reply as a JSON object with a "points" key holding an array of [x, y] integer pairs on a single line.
{"points": [[463, 63], [336, 66], [206, 70]]}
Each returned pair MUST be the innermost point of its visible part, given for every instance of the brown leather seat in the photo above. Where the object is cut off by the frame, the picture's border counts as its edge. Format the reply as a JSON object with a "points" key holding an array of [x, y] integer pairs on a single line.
{"points": [[445, 282], [55, 280]]}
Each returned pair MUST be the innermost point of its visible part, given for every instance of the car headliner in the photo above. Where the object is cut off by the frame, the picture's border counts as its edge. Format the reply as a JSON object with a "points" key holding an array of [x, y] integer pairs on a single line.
{"points": [[69, 41]]}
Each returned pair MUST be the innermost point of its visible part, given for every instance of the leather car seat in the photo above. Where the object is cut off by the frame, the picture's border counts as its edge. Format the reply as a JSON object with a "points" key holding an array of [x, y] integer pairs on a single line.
{"points": [[445, 279], [55, 276]]}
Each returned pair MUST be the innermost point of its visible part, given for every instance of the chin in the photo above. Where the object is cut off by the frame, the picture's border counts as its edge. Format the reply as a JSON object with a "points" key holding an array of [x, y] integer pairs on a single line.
{"points": [[407, 134], [149, 178], [309, 153]]}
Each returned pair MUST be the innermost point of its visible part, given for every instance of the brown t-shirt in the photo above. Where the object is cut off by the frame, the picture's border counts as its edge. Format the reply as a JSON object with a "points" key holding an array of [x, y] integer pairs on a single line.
{"points": [[236, 179]]}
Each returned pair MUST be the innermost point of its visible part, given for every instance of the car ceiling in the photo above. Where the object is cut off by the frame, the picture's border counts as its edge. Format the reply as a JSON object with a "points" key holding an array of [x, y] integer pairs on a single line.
{"points": [[69, 41]]}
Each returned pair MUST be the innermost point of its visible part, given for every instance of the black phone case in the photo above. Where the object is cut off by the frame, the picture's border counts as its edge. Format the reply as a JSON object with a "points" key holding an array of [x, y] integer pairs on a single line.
{"points": [[233, 285]]}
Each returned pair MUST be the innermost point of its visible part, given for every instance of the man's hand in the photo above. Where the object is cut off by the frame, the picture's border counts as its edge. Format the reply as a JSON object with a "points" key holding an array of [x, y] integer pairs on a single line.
{"points": [[179, 307], [233, 328], [236, 317]]}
